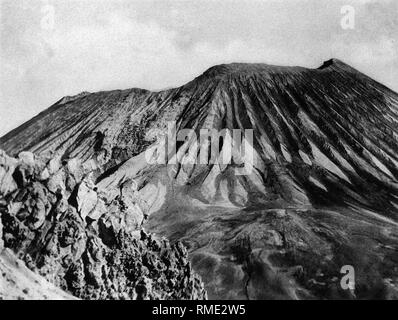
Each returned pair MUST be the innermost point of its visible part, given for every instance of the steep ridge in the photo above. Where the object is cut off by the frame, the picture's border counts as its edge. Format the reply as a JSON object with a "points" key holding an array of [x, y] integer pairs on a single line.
{"points": [[323, 191]]}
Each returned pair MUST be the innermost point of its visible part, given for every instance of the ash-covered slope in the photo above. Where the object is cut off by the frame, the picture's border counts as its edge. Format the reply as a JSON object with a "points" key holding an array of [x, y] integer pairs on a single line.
{"points": [[330, 133], [323, 192]]}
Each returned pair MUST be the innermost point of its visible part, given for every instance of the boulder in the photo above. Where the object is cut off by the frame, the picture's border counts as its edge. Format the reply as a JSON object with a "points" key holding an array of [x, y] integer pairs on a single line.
{"points": [[44, 175], [86, 198], [56, 182], [7, 168], [74, 173], [27, 158]]}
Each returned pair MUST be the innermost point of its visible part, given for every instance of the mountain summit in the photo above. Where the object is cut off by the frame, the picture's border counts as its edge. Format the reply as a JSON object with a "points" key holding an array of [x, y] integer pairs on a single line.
{"points": [[323, 192]]}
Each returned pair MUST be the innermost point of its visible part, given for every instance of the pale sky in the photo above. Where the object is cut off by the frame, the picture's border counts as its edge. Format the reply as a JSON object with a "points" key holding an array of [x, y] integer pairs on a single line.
{"points": [[93, 45]]}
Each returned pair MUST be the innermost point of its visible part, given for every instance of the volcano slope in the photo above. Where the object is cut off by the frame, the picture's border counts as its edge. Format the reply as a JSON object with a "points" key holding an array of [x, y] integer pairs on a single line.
{"points": [[322, 194]]}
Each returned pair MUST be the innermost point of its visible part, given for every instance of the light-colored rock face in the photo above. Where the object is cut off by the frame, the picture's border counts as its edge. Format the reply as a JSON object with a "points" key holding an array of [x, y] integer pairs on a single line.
{"points": [[322, 191], [7, 168], [86, 198]]}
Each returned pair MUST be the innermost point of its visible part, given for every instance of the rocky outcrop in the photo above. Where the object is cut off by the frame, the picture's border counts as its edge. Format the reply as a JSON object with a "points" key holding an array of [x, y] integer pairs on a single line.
{"points": [[55, 220]]}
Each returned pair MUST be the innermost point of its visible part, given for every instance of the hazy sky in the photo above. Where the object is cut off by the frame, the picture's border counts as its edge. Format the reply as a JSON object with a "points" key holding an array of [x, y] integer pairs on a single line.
{"points": [[93, 45]]}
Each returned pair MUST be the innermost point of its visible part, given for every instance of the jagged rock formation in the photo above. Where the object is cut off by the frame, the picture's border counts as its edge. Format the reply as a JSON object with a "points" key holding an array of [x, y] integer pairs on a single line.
{"points": [[323, 192], [54, 219]]}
